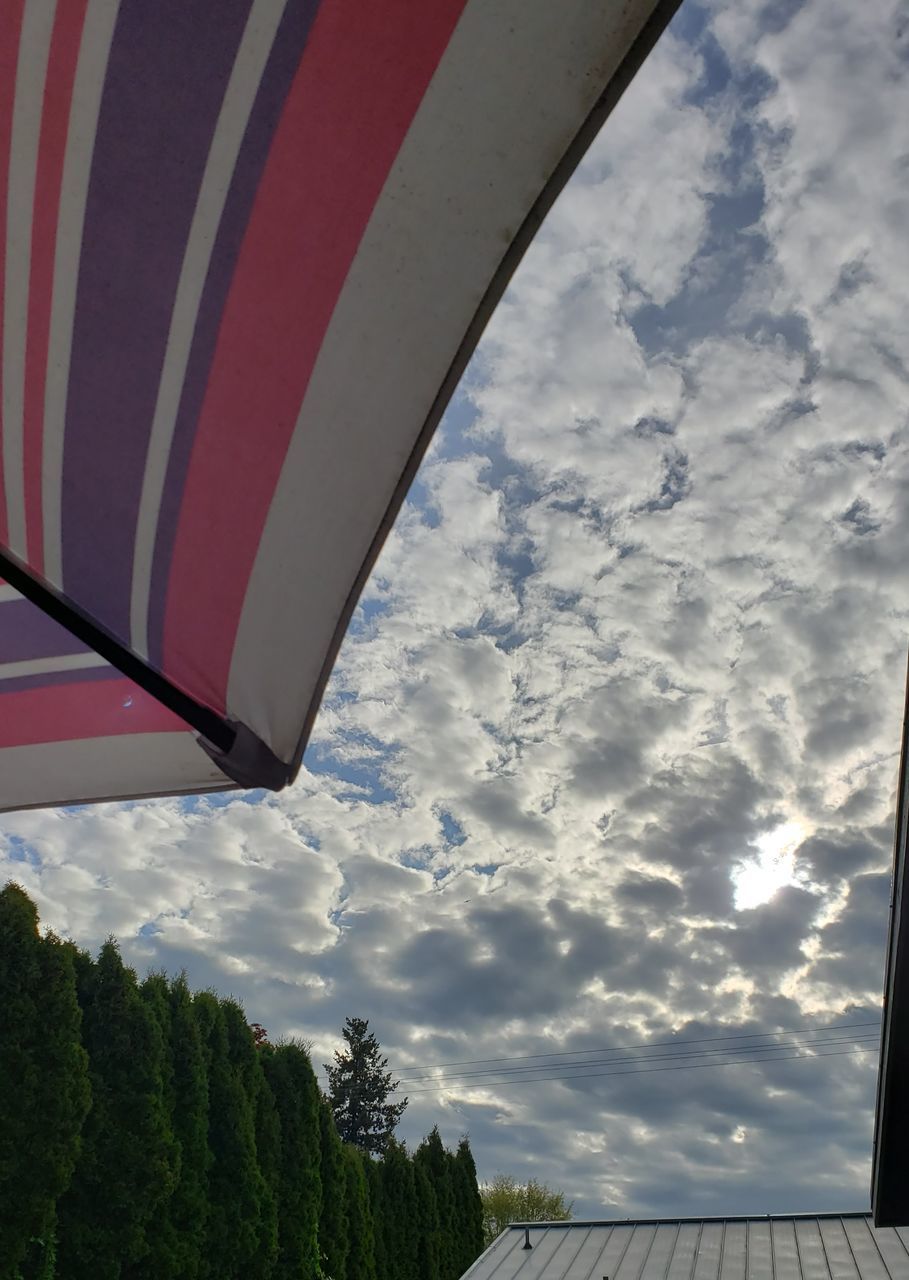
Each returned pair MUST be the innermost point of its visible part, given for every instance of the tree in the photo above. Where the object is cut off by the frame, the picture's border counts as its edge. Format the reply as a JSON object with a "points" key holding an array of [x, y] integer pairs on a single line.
{"points": [[293, 1086], [358, 1089], [398, 1224], [373, 1171], [126, 1166], [468, 1208], [437, 1163], [333, 1215], [188, 1207], [44, 1089], [429, 1229], [235, 1180], [361, 1258], [505, 1200]]}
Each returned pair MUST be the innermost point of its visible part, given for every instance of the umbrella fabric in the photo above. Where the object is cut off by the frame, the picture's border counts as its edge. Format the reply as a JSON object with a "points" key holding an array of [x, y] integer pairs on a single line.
{"points": [[248, 249]]}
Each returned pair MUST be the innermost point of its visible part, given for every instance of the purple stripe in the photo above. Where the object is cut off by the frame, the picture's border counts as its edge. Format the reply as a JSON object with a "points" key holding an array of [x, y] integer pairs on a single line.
{"points": [[26, 633], [20, 684], [169, 66], [277, 79]]}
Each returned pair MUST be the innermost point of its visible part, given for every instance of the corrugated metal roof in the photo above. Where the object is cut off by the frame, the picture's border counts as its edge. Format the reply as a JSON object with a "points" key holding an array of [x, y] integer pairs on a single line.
{"points": [[795, 1247]]}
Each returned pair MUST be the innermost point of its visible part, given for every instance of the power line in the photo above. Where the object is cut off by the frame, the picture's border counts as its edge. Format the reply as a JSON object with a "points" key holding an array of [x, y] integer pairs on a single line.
{"points": [[408, 1072], [653, 1057], [656, 1044], [593, 1075]]}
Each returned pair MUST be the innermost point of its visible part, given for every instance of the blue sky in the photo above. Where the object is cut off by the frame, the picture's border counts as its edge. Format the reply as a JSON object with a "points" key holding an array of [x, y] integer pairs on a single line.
{"points": [[609, 754]]}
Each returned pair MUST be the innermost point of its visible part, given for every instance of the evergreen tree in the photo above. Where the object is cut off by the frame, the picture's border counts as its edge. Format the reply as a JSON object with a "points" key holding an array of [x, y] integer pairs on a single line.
{"points": [[333, 1214], [161, 1258], [437, 1163], [125, 1169], [359, 1088], [293, 1086], [361, 1257], [44, 1090], [235, 1181], [377, 1207], [399, 1214], [468, 1207], [247, 1060], [189, 1202], [429, 1235]]}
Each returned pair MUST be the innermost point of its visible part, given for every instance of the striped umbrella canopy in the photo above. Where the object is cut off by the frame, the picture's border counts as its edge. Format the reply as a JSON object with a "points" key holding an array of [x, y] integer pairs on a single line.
{"points": [[247, 248]]}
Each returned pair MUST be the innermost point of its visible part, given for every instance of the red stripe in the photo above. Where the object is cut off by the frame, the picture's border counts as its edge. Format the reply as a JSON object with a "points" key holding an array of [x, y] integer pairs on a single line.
{"points": [[58, 93], [96, 709], [363, 74], [10, 26]]}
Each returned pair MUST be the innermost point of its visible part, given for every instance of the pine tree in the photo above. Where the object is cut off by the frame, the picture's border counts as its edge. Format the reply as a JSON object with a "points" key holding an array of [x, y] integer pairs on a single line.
{"points": [[125, 1169], [361, 1256], [333, 1214], [468, 1207], [44, 1089], [293, 1086], [235, 1181], [359, 1087], [437, 1163]]}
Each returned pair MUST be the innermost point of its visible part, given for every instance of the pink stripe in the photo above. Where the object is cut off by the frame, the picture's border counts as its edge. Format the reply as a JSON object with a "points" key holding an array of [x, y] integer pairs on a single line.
{"points": [[362, 77], [63, 713], [58, 93], [10, 26]]}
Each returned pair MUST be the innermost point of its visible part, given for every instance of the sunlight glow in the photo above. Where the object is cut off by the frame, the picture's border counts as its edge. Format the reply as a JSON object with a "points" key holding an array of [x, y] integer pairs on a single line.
{"points": [[758, 878]]}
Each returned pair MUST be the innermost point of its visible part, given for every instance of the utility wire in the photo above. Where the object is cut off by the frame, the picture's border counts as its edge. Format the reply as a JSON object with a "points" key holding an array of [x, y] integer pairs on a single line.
{"points": [[635, 1071], [657, 1044], [406, 1078]]}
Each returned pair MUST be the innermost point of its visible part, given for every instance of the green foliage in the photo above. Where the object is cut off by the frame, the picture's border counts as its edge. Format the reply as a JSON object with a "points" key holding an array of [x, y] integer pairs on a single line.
{"points": [[44, 1089], [333, 1242], [505, 1200], [469, 1242], [377, 1207], [207, 1153], [429, 1227], [361, 1258], [126, 1167], [438, 1165], [236, 1184], [359, 1087], [188, 1207], [399, 1214], [299, 1192]]}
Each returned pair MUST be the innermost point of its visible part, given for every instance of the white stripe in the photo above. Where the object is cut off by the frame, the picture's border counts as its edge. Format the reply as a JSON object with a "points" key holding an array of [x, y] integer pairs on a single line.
{"points": [[246, 75], [31, 73], [80, 142], [48, 666], [8, 593], [118, 767]]}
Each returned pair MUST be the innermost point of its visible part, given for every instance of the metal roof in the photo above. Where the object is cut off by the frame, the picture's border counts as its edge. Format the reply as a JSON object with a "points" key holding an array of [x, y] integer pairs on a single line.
{"points": [[793, 1247]]}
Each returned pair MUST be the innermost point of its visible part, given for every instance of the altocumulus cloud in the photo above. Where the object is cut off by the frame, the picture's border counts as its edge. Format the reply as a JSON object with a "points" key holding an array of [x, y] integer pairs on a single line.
{"points": [[644, 610]]}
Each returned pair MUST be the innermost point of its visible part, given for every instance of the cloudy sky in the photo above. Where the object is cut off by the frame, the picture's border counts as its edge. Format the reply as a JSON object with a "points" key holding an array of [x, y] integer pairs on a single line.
{"points": [[609, 755]]}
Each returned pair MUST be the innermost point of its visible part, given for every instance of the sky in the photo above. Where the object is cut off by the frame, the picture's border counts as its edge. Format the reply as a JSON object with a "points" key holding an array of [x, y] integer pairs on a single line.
{"points": [[609, 755]]}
